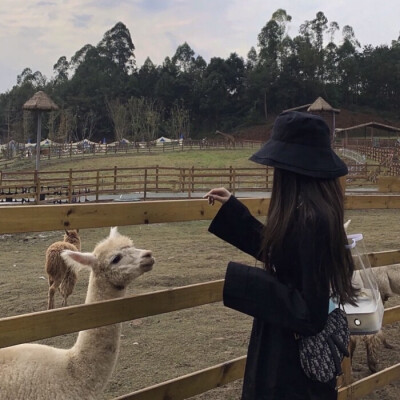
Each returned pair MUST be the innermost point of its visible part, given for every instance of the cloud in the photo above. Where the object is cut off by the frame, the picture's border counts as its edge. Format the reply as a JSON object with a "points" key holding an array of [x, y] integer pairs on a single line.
{"points": [[81, 21], [36, 33], [45, 3], [154, 5]]}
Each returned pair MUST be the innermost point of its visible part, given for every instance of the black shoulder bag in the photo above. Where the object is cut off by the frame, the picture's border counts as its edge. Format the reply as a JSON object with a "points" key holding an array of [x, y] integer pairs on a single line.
{"points": [[321, 355]]}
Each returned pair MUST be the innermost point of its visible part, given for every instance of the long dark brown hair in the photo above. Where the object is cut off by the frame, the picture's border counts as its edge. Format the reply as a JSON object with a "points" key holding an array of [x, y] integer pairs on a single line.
{"points": [[300, 201]]}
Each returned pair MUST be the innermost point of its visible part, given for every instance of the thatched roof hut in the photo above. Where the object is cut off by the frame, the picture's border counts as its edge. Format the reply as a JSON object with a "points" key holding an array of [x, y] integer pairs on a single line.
{"points": [[40, 102], [322, 108]]}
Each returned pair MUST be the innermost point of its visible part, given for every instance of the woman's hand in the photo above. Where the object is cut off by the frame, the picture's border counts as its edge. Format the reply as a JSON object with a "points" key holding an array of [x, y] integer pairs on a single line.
{"points": [[218, 194]]}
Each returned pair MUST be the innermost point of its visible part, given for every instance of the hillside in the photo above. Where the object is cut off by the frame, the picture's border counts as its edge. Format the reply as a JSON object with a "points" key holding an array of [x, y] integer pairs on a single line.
{"points": [[345, 118]]}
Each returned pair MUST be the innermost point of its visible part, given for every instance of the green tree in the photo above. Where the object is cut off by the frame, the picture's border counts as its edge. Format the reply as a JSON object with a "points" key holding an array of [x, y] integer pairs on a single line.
{"points": [[184, 58], [60, 69], [117, 45]]}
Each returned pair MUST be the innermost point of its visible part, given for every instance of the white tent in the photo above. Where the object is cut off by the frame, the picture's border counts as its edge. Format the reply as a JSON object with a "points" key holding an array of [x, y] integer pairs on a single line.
{"points": [[48, 142], [86, 143], [162, 140]]}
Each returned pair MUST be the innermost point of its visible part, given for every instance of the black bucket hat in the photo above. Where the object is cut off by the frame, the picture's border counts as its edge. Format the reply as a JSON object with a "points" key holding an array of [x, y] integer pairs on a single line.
{"points": [[300, 143]]}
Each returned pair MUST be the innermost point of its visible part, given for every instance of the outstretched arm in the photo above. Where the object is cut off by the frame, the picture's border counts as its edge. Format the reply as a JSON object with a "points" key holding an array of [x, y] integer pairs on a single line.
{"points": [[235, 224]]}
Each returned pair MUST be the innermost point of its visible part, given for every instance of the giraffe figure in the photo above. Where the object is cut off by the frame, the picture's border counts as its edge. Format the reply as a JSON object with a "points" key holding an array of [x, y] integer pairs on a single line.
{"points": [[230, 139]]}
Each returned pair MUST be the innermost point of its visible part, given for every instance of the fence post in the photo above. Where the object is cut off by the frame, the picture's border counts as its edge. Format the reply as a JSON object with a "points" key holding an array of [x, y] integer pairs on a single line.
{"points": [[183, 172], [192, 180], [233, 181], [346, 378], [115, 178], [70, 150], [97, 185], [190, 183], [70, 186], [145, 184], [157, 174], [37, 188], [230, 178]]}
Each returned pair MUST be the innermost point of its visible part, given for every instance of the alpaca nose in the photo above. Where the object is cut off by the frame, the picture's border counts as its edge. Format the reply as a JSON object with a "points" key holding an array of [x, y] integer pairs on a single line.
{"points": [[147, 254]]}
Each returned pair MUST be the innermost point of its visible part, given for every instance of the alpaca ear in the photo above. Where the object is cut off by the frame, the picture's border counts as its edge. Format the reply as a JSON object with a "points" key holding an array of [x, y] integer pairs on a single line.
{"points": [[78, 260], [114, 231], [346, 225]]}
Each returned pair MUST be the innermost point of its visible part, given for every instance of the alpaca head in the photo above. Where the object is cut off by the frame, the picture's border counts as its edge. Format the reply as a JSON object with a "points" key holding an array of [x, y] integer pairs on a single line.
{"points": [[115, 260], [72, 237]]}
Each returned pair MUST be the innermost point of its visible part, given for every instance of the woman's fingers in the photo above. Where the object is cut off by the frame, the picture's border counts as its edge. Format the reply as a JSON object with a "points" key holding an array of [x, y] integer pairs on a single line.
{"points": [[217, 194]]}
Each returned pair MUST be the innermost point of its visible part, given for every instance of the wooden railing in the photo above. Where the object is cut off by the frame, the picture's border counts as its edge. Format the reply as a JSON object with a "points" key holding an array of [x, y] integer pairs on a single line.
{"points": [[96, 185], [71, 186], [76, 151], [388, 157], [40, 325]]}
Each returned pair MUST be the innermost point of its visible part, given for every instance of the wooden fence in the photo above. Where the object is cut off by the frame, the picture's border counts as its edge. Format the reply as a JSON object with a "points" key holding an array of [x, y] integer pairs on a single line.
{"points": [[84, 150], [388, 157], [73, 186], [365, 174], [143, 183], [45, 324]]}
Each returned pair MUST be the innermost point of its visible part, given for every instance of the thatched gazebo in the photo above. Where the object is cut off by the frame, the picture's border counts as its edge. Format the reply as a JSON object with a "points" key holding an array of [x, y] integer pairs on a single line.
{"points": [[322, 108], [39, 103]]}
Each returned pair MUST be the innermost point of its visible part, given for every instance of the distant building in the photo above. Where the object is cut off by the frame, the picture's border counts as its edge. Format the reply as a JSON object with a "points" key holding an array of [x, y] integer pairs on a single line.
{"points": [[371, 133], [322, 108]]}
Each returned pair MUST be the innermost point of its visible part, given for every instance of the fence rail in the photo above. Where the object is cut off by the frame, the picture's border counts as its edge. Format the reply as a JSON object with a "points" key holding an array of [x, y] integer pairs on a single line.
{"points": [[72, 216], [72, 186], [142, 183], [9, 155], [34, 326], [388, 157]]}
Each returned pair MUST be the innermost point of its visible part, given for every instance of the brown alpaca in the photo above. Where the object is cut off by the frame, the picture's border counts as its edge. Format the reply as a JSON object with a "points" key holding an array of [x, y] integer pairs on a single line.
{"points": [[61, 276]]}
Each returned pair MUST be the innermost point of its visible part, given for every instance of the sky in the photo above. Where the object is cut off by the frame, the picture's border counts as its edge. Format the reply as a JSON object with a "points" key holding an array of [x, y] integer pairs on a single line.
{"points": [[36, 33]]}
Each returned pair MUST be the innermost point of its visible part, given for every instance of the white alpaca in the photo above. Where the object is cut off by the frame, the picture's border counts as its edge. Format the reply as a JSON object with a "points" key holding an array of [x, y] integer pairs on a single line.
{"points": [[39, 372], [388, 279]]}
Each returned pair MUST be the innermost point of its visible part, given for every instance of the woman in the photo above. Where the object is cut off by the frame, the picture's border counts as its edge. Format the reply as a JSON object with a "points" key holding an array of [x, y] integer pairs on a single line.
{"points": [[302, 247]]}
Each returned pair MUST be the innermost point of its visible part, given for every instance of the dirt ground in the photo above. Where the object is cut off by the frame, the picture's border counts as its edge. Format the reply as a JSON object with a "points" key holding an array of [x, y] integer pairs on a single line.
{"points": [[166, 346]]}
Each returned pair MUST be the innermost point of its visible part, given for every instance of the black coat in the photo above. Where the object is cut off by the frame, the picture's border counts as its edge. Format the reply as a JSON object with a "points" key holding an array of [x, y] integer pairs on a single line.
{"points": [[282, 303]]}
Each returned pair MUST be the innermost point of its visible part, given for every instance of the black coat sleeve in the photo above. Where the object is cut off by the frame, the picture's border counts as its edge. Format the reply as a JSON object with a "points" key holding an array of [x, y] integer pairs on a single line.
{"points": [[235, 225], [257, 293]]}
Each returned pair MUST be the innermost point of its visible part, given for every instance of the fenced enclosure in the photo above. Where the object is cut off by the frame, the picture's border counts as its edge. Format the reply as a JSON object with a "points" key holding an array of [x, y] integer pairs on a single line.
{"points": [[142, 183], [387, 157], [39, 325], [367, 164], [73, 186], [19, 151]]}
